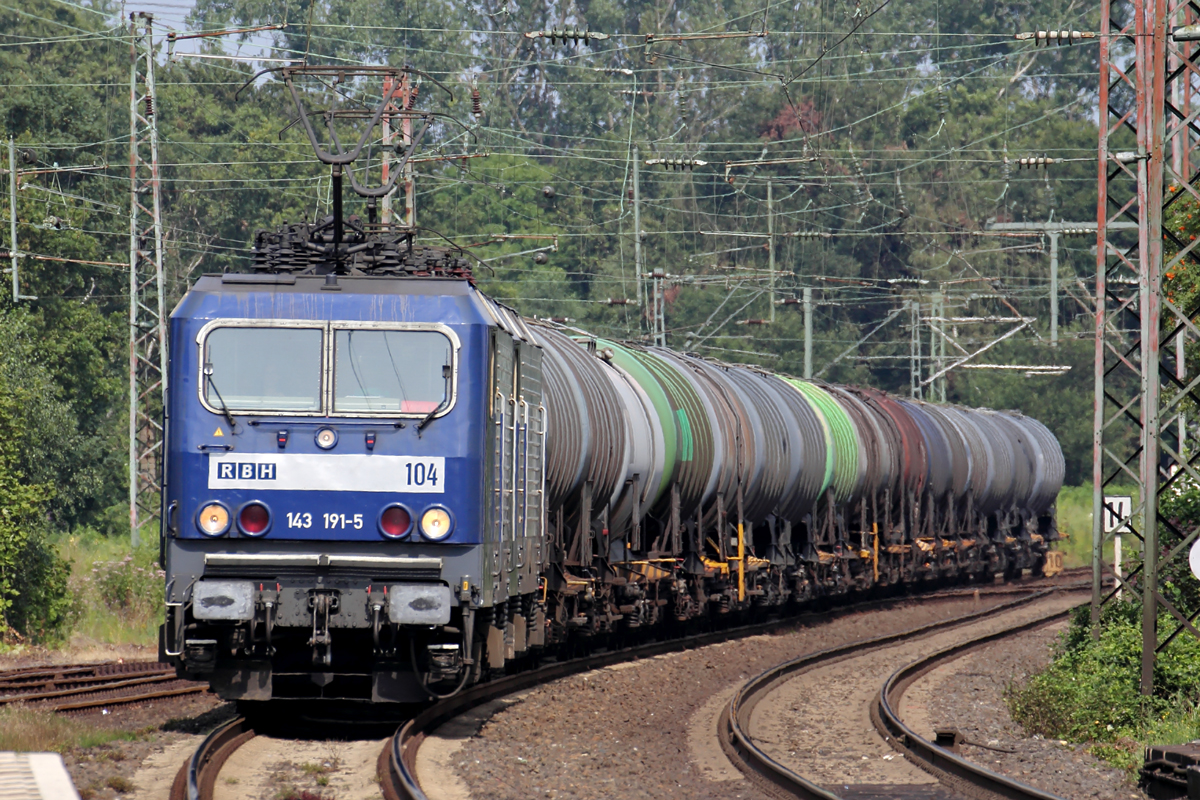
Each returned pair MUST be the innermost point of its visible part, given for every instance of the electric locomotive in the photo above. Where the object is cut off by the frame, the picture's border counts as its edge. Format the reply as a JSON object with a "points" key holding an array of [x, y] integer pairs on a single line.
{"points": [[333, 443]]}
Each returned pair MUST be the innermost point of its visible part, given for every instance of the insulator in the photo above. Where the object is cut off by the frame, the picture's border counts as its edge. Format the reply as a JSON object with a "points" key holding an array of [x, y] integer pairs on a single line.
{"points": [[1007, 169], [1077, 232], [573, 35], [412, 97], [812, 234], [1036, 162], [149, 106], [561, 320], [942, 100], [754, 322], [1188, 33], [1055, 37], [619, 301], [677, 163], [476, 102], [548, 192], [789, 301], [540, 258]]}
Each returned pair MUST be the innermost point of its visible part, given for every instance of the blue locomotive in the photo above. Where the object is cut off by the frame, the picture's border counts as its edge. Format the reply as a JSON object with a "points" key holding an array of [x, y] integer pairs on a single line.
{"points": [[381, 484], [331, 450]]}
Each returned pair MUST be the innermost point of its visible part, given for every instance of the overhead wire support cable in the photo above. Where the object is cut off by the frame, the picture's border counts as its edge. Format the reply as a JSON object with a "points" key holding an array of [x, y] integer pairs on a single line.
{"points": [[763, 162], [173, 37], [651, 38]]}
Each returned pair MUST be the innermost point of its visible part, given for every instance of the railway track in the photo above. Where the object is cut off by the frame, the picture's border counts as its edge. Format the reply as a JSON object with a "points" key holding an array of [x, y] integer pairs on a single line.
{"points": [[961, 777], [78, 687], [940, 759], [397, 760]]}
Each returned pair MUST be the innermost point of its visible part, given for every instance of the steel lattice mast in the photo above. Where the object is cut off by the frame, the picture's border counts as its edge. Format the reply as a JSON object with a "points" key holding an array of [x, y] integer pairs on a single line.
{"points": [[1139, 395], [147, 319]]}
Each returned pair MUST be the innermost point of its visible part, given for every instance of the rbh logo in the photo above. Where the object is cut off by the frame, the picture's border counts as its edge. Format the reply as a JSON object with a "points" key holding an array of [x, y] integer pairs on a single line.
{"points": [[229, 471]]}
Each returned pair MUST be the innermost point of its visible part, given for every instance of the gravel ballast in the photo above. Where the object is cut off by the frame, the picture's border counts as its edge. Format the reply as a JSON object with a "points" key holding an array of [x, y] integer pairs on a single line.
{"points": [[632, 730]]}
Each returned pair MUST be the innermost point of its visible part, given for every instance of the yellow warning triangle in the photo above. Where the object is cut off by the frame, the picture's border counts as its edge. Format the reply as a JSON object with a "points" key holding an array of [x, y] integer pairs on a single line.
{"points": [[219, 431]]}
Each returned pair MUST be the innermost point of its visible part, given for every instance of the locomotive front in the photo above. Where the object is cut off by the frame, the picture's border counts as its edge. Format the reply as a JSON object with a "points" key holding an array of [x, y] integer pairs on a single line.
{"points": [[324, 485]]}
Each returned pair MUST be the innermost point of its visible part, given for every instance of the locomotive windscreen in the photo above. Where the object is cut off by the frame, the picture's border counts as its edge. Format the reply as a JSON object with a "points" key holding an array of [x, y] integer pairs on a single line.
{"points": [[264, 369], [401, 371]]}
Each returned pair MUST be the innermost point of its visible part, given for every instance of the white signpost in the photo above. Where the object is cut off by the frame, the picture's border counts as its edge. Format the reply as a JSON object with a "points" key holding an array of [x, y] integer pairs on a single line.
{"points": [[1116, 510]]}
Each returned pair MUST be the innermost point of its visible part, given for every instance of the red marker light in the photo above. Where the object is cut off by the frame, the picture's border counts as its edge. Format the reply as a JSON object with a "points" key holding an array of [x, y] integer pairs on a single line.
{"points": [[254, 519], [395, 522]]}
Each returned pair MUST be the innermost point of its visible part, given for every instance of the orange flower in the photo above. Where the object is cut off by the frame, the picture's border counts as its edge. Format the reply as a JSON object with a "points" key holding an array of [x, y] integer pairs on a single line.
{"points": [[1170, 276]]}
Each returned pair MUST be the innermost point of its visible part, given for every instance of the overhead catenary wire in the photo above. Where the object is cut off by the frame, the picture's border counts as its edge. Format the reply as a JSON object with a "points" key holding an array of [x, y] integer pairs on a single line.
{"points": [[585, 231]]}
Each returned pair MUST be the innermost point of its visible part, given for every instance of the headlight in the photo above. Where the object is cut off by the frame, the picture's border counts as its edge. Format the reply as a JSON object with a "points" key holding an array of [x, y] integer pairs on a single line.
{"points": [[436, 523], [326, 438], [213, 520]]}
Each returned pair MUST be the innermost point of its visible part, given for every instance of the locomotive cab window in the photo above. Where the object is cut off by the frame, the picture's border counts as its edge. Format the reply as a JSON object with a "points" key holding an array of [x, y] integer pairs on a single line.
{"points": [[263, 369], [391, 371]]}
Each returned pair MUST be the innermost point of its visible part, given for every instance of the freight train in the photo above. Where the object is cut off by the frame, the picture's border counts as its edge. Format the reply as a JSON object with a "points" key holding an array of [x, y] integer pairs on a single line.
{"points": [[383, 485]]}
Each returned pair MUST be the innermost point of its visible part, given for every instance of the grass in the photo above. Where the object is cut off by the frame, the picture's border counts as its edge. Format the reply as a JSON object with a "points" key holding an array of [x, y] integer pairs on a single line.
{"points": [[117, 603], [120, 784], [292, 793], [1075, 525], [28, 730]]}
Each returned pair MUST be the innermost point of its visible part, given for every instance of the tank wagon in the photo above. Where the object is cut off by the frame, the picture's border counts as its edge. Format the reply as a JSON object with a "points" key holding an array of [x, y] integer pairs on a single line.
{"points": [[380, 483]]}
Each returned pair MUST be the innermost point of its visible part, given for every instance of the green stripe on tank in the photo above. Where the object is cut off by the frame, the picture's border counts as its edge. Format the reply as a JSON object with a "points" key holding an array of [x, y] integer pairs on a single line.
{"points": [[685, 428]]}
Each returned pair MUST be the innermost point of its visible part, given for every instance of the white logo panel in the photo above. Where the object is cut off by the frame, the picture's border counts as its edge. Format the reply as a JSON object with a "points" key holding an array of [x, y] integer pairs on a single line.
{"points": [[327, 472]]}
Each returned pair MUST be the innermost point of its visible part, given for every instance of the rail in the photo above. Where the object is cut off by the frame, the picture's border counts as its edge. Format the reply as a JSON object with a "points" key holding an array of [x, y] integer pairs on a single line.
{"points": [[937, 760], [198, 775]]}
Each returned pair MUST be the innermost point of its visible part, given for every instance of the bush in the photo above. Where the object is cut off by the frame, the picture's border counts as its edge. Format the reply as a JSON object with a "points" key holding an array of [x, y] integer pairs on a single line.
{"points": [[30, 572], [42, 609], [117, 593], [1090, 691], [131, 584]]}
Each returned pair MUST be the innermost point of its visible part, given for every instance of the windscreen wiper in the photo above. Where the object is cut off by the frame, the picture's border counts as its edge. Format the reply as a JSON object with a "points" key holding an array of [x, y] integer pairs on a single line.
{"points": [[208, 370], [429, 417], [445, 399]]}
